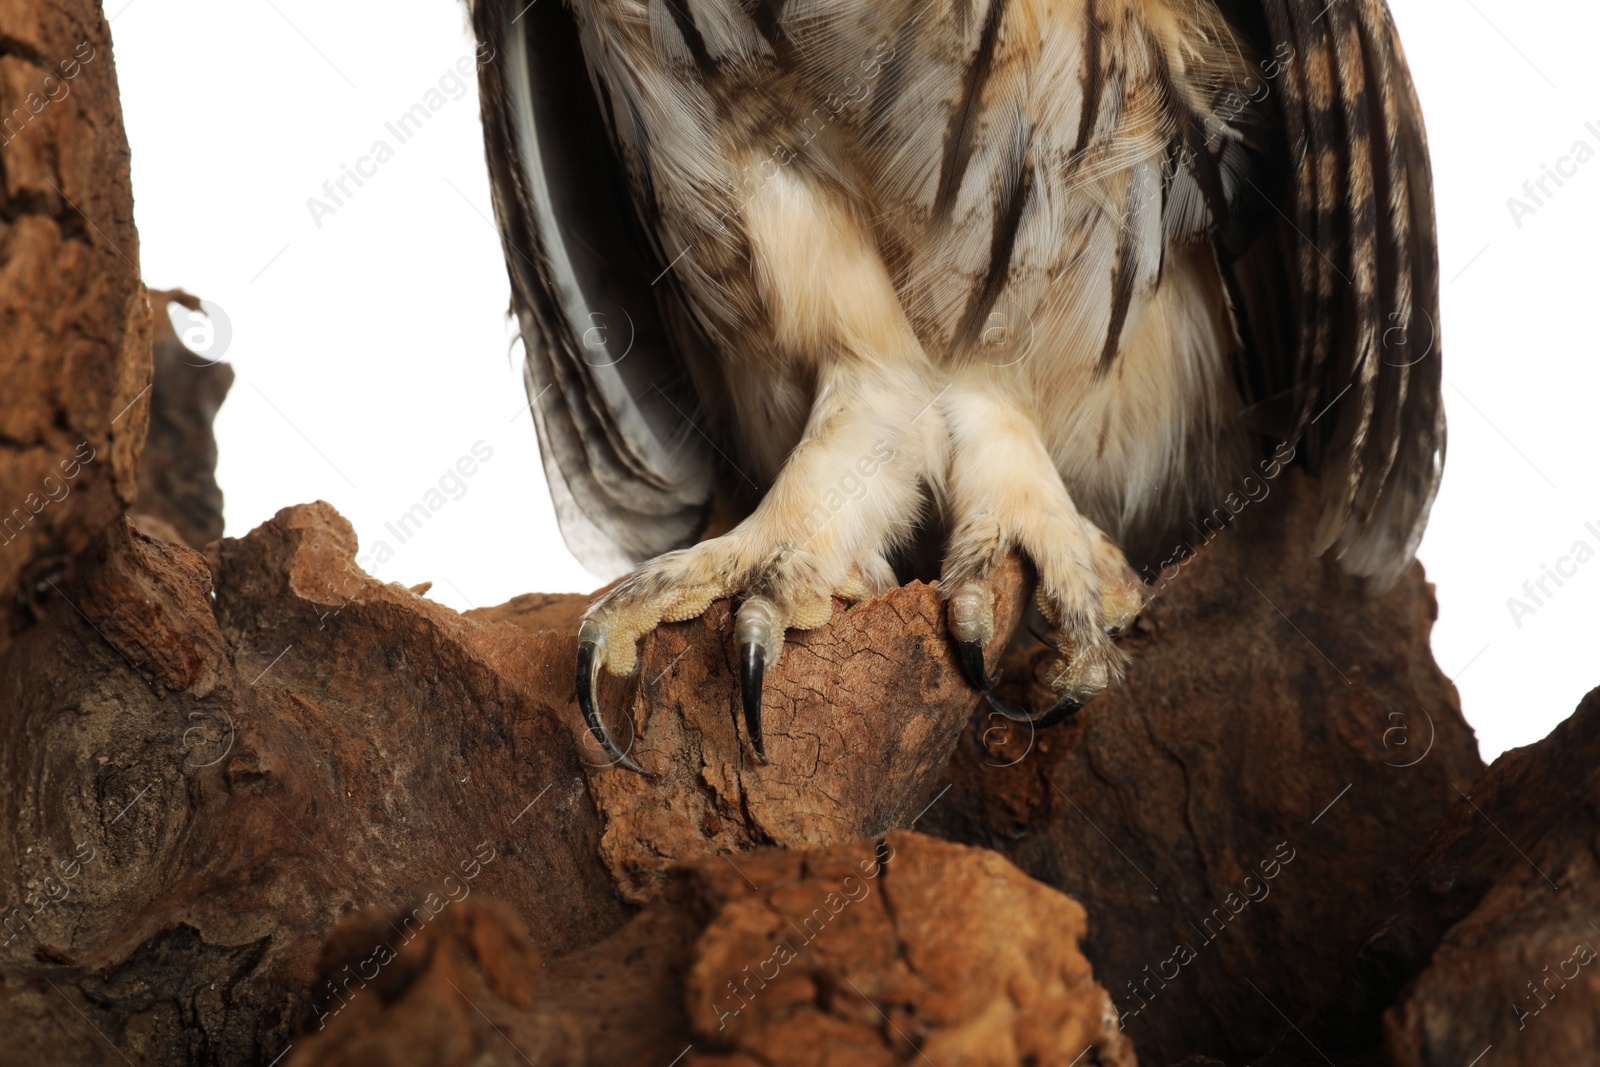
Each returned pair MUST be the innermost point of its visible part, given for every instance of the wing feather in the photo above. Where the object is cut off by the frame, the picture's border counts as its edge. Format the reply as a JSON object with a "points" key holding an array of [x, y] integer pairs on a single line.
{"points": [[606, 384], [1320, 203], [1336, 285]]}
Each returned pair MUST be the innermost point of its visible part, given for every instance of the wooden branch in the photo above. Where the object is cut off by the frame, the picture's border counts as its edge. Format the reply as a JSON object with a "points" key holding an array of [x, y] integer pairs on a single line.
{"points": [[229, 769], [74, 322], [857, 954]]}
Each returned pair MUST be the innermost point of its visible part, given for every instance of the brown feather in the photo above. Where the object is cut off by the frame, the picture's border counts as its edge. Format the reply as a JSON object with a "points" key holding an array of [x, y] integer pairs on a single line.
{"points": [[1001, 157]]}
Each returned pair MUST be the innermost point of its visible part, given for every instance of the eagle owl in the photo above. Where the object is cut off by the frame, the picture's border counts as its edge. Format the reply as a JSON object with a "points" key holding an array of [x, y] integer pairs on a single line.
{"points": [[957, 278]]}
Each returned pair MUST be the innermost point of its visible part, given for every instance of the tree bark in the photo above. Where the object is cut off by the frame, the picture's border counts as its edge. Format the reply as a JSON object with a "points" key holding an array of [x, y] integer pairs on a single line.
{"points": [[74, 322], [179, 499], [1235, 815], [229, 767], [785, 958]]}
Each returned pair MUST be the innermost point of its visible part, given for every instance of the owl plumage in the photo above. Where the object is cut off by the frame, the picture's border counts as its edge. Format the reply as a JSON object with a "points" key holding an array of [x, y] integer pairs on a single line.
{"points": [[1036, 275]]}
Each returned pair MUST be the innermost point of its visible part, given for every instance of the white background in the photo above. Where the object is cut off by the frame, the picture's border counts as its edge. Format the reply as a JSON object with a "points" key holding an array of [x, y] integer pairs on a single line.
{"points": [[373, 351]]}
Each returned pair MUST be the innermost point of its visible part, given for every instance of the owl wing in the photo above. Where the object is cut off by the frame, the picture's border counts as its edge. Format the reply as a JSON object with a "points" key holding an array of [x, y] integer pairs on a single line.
{"points": [[630, 475], [1329, 254]]}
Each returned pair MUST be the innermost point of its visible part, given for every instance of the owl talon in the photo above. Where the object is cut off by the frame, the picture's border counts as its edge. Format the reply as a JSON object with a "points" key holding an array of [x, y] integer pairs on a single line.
{"points": [[752, 666], [759, 632], [1046, 640], [1064, 710], [970, 618], [972, 665], [588, 677]]}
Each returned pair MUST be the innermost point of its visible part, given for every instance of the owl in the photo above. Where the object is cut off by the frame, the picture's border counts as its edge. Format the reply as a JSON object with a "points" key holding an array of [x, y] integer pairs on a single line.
{"points": [[910, 285]]}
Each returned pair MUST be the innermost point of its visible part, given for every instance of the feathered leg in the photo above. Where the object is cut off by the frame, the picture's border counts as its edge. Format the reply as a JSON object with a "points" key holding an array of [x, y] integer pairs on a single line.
{"points": [[846, 494], [1004, 493]]}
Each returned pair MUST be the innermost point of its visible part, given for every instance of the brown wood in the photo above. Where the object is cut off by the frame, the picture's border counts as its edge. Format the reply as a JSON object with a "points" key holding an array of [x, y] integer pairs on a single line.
{"points": [[74, 323], [230, 769]]}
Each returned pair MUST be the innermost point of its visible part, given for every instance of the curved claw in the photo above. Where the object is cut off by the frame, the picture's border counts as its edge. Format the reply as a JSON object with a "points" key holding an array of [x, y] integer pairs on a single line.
{"points": [[588, 679], [1044, 639], [972, 665], [752, 668], [970, 615], [1063, 711]]}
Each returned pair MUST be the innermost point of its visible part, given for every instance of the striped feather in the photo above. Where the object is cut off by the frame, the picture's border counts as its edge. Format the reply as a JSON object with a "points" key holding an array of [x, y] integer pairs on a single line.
{"points": [[1075, 164], [1360, 357]]}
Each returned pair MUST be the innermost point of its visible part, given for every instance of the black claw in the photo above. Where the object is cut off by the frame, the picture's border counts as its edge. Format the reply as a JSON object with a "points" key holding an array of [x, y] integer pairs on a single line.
{"points": [[1063, 711], [588, 675], [973, 667], [1044, 639], [752, 667]]}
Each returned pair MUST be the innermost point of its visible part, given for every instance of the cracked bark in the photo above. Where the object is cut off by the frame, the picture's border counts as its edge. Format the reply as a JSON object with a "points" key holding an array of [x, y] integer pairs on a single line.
{"points": [[74, 322], [1231, 733], [794, 956], [228, 769]]}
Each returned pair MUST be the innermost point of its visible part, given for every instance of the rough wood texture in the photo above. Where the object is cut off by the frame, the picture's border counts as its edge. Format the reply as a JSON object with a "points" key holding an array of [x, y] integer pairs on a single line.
{"points": [[1240, 810], [854, 956], [242, 767], [1494, 939], [1521, 970], [860, 717], [246, 763], [224, 775], [179, 499], [239, 786], [74, 323]]}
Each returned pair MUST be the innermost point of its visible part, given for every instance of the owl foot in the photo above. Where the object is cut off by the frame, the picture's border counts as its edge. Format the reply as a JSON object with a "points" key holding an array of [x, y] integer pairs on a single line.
{"points": [[1084, 607], [785, 590]]}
